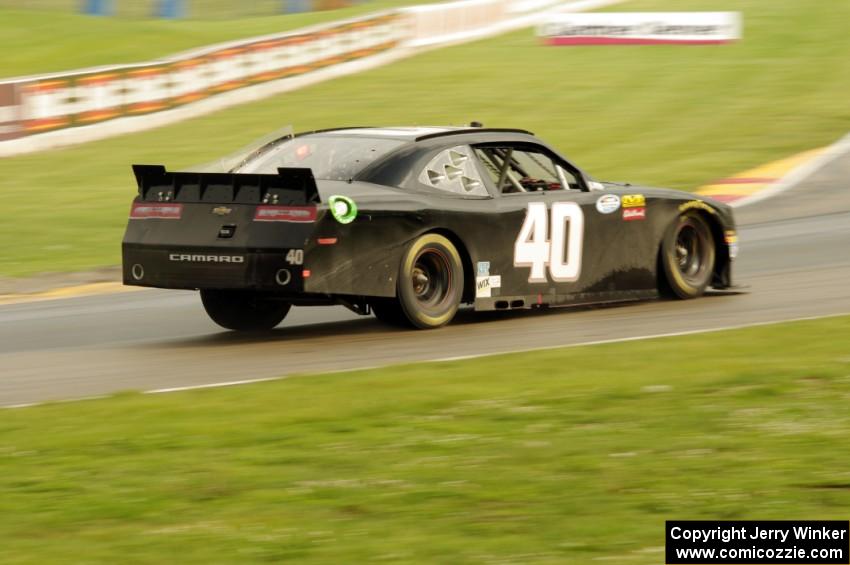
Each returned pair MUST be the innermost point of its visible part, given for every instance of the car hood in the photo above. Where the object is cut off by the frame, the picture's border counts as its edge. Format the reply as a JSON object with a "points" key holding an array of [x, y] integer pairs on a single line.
{"points": [[660, 192]]}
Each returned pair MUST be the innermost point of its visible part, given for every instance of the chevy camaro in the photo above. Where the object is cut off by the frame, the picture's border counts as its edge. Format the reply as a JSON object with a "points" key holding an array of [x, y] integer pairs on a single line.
{"points": [[409, 223]]}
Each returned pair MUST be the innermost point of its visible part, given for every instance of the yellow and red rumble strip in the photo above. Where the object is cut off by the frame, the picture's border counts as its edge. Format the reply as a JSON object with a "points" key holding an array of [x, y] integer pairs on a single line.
{"points": [[752, 181], [67, 292]]}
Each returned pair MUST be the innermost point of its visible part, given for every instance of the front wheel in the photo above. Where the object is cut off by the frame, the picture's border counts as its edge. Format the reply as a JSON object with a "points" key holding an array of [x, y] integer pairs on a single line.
{"points": [[243, 310], [687, 257], [429, 286]]}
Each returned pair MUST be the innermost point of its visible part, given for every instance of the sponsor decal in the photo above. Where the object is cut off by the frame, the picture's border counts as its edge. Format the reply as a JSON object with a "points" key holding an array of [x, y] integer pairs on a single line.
{"points": [[145, 211], [634, 201], [285, 214], [733, 250], [483, 268], [731, 238], [221, 210], [197, 258], [608, 204], [696, 205], [485, 285], [631, 214], [641, 28]]}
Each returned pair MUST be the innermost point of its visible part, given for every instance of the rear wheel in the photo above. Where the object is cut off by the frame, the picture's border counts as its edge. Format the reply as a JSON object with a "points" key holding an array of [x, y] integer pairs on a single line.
{"points": [[243, 310], [388, 311], [687, 257], [429, 286]]}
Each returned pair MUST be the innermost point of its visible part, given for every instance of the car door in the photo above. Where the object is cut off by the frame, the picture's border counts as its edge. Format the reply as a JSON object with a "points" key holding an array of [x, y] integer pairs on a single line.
{"points": [[560, 237]]}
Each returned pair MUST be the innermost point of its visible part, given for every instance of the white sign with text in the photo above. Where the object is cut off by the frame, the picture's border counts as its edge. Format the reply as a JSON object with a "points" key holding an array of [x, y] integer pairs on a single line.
{"points": [[642, 28]]}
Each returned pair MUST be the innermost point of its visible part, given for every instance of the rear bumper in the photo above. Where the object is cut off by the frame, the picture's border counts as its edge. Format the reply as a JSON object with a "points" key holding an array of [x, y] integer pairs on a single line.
{"points": [[197, 268]]}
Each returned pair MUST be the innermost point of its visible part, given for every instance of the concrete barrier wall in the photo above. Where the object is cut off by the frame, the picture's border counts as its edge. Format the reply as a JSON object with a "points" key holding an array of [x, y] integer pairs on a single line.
{"points": [[30, 106]]}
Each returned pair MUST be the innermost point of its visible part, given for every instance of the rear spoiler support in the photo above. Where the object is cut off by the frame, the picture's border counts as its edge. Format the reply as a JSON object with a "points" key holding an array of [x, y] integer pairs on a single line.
{"points": [[289, 187]]}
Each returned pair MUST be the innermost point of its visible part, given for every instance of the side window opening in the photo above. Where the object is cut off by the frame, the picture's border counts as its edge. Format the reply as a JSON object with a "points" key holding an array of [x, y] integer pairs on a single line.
{"points": [[454, 170], [523, 169]]}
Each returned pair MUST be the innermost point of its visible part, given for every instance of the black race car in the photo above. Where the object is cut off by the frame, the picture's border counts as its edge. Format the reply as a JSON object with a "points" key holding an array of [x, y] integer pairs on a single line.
{"points": [[408, 223]]}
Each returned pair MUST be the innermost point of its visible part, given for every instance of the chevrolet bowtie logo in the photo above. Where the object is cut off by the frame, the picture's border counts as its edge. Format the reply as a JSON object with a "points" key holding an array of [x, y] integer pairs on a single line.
{"points": [[221, 210]]}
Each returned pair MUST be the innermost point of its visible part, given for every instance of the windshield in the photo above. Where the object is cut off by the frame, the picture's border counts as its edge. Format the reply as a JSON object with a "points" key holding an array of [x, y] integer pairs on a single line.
{"points": [[330, 157]]}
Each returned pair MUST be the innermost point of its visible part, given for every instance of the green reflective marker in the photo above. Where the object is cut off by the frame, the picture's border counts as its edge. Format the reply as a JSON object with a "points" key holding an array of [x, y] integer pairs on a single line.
{"points": [[343, 208]]}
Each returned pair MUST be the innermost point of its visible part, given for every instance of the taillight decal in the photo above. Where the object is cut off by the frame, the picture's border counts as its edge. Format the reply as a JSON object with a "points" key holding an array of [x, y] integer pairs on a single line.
{"points": [[146, 211], [285, 214]]}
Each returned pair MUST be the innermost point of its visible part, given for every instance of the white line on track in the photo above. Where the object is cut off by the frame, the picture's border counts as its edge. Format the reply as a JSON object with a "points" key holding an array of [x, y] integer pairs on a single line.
{"points": [[457, 358], [797, 175], [62, 401], [639, 337], [210, 385], [259, 380]]}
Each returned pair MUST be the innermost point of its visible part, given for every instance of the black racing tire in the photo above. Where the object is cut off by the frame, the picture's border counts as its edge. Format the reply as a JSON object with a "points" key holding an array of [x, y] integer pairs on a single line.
{"points": [[687, 257], [430, 282], [244, 311], [389, 311]]}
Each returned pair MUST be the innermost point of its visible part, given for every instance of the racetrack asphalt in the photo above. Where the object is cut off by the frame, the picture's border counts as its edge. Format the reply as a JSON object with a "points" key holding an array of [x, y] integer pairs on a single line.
{"points": [[795, 259]]}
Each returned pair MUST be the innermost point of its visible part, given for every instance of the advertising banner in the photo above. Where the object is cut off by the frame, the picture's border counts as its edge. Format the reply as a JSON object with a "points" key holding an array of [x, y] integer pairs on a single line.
{"points": [[34, 105], [641, 28]]}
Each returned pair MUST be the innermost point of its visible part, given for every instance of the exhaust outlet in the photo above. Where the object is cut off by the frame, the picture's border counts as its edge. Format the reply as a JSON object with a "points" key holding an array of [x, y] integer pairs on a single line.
{"points": [[282, 277]]}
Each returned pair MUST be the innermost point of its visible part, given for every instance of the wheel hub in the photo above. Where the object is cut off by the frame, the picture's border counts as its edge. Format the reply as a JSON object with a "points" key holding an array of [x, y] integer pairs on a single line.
{"points": [[430, 278], [421, 282], [689, 252]]}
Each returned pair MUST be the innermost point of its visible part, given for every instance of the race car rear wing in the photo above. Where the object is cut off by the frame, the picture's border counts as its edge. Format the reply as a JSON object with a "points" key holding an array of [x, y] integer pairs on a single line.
{"points": [[289, 187]]}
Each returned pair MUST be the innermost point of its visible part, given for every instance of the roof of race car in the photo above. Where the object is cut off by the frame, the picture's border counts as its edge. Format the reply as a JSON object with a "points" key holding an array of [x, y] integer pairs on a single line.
{"points": [[408, 133]]}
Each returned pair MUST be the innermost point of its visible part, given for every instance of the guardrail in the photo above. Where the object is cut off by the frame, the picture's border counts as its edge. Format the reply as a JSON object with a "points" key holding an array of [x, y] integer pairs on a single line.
{"points": [[46, 111]]}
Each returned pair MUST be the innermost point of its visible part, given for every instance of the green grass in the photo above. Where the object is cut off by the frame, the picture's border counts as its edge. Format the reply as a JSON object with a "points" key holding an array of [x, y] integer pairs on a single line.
{"points": [[561, 456], [45, 42], [674, 116]]}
